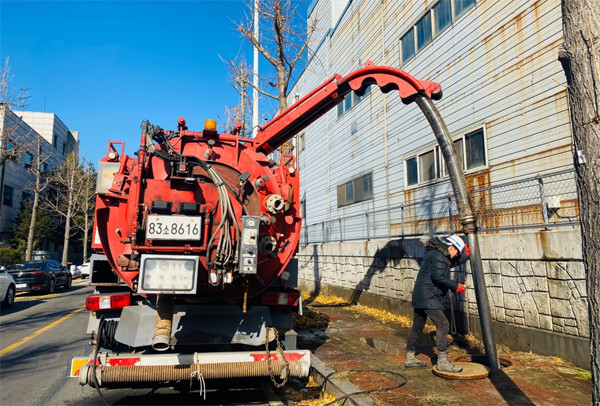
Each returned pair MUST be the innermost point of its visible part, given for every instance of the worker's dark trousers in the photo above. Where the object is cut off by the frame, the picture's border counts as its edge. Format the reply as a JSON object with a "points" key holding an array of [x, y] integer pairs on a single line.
{"points": [[441, 324]]}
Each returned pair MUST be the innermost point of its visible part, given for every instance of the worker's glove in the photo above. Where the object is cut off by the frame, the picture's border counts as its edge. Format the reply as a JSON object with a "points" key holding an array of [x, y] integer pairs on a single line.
{"points": [[468, 250], [461, 288]]}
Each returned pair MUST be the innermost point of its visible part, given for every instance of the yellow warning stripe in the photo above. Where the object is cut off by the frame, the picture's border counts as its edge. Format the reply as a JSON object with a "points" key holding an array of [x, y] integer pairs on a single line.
{"points": [[40, 331]]}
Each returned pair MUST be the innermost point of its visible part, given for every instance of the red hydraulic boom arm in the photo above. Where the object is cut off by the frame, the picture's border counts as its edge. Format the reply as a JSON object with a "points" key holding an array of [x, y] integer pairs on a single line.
{"points": [[332, 92]]}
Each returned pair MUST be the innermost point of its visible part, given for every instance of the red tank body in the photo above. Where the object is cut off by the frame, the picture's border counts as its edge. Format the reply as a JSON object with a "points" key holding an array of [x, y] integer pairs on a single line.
{"points": [[179, 179]]}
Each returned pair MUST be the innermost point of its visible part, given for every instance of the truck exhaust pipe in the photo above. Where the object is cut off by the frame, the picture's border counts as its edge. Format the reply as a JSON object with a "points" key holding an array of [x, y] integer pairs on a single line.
{"points": [[164, 323]]}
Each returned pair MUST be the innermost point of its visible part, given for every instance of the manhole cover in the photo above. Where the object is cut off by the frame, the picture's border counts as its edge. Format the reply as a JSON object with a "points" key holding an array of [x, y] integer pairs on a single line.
{"points": [[470, 370]]}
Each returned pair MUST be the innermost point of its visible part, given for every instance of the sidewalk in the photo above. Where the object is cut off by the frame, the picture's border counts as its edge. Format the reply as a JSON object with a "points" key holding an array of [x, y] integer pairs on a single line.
{"points": [[356, 341]]}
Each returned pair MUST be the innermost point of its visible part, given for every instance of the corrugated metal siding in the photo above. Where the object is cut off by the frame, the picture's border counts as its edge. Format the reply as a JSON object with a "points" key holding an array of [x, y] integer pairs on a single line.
{"points": [[498, 67], [323, 15]]}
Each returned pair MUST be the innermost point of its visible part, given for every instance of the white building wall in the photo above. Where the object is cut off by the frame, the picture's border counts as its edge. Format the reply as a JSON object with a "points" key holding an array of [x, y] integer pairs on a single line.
{"points": [[51, 127], [26, 126], [498, 69]]}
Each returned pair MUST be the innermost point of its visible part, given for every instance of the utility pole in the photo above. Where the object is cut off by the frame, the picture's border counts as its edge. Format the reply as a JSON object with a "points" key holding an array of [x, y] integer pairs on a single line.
{"points": [[255, 75]]}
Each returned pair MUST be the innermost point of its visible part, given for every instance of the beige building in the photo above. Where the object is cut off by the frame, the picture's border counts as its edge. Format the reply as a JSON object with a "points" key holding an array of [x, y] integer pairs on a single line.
{"points": [[20, 130]]}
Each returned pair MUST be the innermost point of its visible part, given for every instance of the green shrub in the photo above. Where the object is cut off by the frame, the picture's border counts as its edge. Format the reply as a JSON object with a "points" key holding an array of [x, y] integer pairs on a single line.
{"points": [[10, 256]]}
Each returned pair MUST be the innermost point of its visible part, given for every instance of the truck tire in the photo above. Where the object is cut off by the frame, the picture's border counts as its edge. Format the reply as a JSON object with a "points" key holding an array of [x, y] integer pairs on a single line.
{"points": [[9, 300]]}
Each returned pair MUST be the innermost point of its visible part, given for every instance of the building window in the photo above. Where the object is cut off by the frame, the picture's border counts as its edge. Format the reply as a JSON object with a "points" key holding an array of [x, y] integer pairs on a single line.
{"points": [[429, 165], [431, 24], [408, 45], [475, 150], [442, 15], [351, 100], [412, 171], [54, 139], [349, 196], [28, 160], [10, 150], [424, 32], [7, 196], [460, 6], [356, 190], [423, 168]]}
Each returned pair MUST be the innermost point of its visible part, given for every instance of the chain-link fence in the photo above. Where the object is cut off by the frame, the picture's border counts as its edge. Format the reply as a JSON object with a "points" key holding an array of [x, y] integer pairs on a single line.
{"points": [[543, 201]]}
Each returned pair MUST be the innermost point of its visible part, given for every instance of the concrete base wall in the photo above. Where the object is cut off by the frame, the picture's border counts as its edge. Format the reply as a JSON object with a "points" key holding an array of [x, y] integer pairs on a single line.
{"points": [[535, 282]]}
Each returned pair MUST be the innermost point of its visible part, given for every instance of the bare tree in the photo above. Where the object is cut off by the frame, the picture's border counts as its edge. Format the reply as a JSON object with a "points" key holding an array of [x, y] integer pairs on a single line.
{"points": [[84, 221], [10, 99], [282, 41], [13, 141], [66, 185], [580, 58], [239, 79], [39, 185]]}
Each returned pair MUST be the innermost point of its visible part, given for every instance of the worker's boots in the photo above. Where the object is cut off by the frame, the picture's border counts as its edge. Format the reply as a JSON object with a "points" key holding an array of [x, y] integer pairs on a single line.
{"points": [[444, 365], [412, 361]]}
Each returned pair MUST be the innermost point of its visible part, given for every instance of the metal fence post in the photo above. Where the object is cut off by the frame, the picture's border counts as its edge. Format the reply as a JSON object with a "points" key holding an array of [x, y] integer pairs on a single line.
{"points": [[402, 220], [306, 234], [543, 197], [450, 213]]}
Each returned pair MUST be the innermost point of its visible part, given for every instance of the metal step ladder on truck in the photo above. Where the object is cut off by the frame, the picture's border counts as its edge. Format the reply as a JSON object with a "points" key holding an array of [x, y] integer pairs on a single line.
{"points": [[198, 232]]}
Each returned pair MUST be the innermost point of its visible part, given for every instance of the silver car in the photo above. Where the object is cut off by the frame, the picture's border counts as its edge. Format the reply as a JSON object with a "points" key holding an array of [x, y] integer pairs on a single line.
{"points": [[7, 288]]}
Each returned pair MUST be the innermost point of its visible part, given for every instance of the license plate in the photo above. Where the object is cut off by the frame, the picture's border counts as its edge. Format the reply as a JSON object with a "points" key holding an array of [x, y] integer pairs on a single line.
{"points": [[173, 228], [21, 285]]}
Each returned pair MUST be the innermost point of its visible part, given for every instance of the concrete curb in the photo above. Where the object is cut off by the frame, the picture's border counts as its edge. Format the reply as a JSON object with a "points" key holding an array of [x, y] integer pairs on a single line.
{"points": [[336, 386]]}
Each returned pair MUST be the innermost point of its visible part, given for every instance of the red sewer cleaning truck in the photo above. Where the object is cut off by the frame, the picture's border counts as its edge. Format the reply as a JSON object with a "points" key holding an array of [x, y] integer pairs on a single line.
{"points": [[195, 236]]}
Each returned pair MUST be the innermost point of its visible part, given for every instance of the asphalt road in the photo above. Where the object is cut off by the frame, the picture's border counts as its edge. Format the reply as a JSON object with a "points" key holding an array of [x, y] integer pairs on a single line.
{"points": [[40, 334]]}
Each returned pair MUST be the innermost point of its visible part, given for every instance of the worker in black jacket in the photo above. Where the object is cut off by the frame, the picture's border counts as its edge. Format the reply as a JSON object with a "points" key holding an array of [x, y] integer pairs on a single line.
{"points": [[433, 283]]}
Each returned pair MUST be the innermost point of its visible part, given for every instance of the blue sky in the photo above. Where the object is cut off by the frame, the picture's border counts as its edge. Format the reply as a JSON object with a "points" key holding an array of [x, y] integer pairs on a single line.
{"points": [[104, 66]]}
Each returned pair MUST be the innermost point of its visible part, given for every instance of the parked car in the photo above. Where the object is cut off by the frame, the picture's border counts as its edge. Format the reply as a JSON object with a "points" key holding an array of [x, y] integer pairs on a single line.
{"points": [[85, 269], [75, 271], [7, 288], [41, 276]]}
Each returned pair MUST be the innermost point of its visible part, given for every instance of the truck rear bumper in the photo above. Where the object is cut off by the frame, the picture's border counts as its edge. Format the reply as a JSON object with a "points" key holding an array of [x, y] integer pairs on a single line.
{"points": [[119, 370]]}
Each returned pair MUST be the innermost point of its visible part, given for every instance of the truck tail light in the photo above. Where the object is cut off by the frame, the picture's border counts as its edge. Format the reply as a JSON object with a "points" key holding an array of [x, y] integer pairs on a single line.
{"points": [[107, 302], [289, 298]]}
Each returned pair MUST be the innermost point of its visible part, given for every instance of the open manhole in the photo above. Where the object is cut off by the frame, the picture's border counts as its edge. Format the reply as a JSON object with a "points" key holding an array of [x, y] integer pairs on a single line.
{"points": [[474, 367]]}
